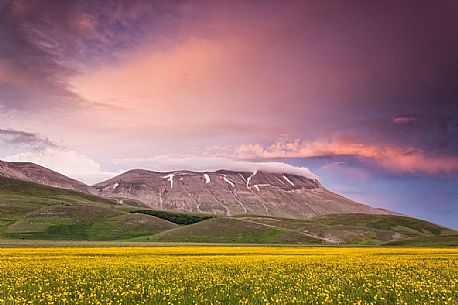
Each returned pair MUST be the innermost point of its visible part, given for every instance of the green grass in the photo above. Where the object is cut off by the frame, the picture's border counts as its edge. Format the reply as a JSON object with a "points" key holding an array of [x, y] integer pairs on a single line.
{"points": [[402, 224], [33, 211], [430, 241], [356, 229], [233, 230], [17, 191], [120, 227]]}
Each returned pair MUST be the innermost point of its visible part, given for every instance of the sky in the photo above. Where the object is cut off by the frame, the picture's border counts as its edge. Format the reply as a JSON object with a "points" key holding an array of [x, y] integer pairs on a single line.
{"points": [[361, 94]]}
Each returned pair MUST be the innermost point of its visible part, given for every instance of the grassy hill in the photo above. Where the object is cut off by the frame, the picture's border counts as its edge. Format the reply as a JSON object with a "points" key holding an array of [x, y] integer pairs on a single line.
{"points": [[34, 212], [233, 230], [405, 225], [430, 241], [331, 229]]}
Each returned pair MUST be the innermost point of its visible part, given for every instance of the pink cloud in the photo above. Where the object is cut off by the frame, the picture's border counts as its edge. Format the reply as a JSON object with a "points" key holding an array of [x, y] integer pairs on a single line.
{"points": [[403, 159]]}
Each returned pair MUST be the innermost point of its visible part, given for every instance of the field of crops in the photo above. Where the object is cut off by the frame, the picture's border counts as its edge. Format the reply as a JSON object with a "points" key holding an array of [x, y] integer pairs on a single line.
{"points": [[228, 275]]}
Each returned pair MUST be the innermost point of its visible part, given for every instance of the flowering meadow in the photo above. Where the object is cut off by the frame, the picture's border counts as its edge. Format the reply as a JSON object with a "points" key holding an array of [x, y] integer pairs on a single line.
{"points": [[228, 275]]}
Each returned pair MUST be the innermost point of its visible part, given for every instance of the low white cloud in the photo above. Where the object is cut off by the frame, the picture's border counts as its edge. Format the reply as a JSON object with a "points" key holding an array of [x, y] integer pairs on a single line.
{"points": [[67, 162], [168, 163], [83, 168]]}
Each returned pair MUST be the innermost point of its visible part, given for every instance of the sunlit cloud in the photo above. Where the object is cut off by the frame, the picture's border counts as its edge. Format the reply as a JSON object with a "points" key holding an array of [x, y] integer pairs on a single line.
{"points": [[396, 158]]}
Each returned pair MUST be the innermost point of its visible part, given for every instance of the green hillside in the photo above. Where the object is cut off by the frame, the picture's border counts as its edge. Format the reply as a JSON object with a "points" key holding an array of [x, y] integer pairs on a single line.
{"points": [[430, 241], [405, 225], [330, 229], [30, 211], [234, 230]]}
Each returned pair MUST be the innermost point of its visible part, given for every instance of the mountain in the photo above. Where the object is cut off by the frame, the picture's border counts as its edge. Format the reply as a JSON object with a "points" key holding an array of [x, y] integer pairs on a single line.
{"points": [[231, 193], [222, 192], [32, 172]]}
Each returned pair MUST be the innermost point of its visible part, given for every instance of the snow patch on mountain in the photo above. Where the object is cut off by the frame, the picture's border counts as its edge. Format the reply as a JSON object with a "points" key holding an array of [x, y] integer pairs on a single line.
{"points": [[249, 178], [228, 181], [207, 178], [287, 180], [169, 177]]}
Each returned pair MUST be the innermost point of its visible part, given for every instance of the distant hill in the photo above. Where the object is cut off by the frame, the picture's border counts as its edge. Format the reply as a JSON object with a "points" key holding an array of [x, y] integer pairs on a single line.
{"points": [[231, 193], [32, 172]]}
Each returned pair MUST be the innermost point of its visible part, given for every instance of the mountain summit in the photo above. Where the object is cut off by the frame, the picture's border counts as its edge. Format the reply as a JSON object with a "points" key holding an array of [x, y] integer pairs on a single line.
{"points": [[231, 193]]}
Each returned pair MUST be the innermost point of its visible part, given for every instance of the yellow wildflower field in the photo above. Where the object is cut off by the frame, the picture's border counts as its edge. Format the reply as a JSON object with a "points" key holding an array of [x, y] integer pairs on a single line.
{"points": [[228, 275]]}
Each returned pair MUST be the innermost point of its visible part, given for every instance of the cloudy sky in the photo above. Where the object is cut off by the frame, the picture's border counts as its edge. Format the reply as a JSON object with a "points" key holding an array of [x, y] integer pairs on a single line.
{"points": [[363, 93]]}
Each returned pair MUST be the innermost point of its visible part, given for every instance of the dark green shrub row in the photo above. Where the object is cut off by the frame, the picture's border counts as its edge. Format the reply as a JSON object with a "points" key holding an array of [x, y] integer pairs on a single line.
{"points": [[175, 217]]}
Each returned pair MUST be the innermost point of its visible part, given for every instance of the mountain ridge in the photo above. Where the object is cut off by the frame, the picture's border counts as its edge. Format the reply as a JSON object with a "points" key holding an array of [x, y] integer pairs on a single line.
{"points": [[227, 192]]}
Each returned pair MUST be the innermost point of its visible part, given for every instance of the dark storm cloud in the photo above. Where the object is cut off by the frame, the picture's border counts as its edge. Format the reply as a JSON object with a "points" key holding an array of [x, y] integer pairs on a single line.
{"points": [[9, 137], [372, 61], [32, 53], [430, 133], [389, 71], [46, 42], [393, 57], [402, 52]]}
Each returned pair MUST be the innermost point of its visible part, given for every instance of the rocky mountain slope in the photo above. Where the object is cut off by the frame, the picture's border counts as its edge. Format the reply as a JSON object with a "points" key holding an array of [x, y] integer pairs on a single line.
{"points": [[31, 172], [231, 193]]}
